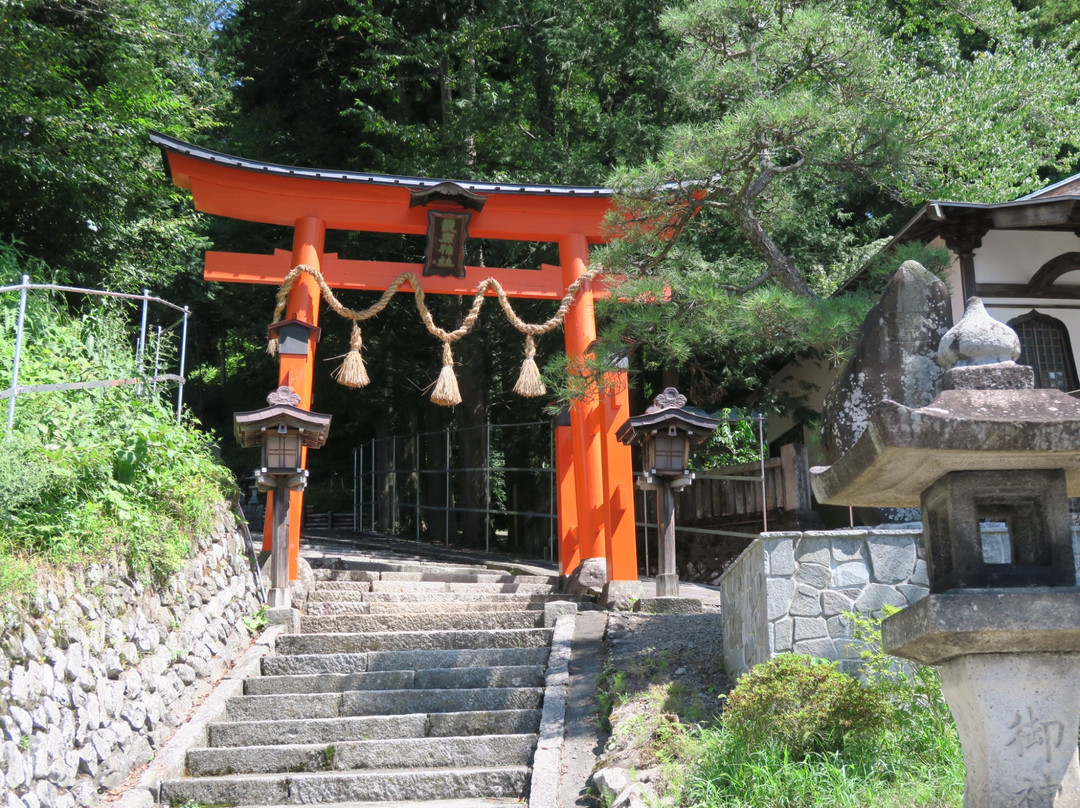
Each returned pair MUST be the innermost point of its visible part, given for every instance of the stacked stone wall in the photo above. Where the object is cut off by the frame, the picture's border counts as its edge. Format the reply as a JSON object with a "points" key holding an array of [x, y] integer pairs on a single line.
{"points": [[98, 670], [788, 591]]}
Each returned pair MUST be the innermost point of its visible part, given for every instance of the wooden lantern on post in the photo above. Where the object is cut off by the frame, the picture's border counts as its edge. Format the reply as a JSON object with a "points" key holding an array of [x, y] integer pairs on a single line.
{"points": [[665, 433], [282, 430]]}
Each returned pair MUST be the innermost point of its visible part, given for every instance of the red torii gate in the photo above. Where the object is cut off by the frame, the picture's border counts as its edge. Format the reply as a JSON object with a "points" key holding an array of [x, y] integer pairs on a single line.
{"points": [[595, 477]]}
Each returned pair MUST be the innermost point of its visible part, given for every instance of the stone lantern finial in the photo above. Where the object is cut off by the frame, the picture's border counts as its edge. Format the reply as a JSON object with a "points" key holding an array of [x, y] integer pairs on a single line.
{"points": [[979, 353], [978, 339]]}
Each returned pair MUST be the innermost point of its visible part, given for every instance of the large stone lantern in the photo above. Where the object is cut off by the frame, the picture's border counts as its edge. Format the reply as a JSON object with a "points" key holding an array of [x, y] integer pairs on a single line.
{"points": [[282, 431], [665, 432], [1003, 623]]}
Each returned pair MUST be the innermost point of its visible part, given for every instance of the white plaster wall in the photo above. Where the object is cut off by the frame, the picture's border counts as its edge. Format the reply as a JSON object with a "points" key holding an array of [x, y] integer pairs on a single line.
{"points": [[793, 379], [1014, 256]]}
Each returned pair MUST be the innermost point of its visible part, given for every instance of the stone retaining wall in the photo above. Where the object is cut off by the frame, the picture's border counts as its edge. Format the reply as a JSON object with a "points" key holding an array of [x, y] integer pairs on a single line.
{"points": [[99, 670], [788, 591]]}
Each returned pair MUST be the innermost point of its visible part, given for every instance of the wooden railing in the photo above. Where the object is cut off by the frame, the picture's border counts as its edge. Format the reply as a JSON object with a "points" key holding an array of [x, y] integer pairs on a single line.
{"points": [[780, 484], [325, 520]]}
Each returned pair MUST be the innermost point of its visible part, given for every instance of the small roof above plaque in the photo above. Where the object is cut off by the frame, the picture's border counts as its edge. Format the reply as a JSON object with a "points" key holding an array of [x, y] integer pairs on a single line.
{"points": [[282, 410], [668, 410], [447, 192]]}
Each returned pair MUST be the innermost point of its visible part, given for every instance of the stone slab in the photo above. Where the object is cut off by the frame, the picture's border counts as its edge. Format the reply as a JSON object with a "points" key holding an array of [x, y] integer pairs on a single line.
{"points": [[668, 606], [944, 626], [903, 451]]}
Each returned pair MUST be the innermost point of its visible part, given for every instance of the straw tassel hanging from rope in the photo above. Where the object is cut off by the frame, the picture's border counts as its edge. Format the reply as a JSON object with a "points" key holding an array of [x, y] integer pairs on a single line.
{"points": [[446, 392], [353, 373], [529, 383]]}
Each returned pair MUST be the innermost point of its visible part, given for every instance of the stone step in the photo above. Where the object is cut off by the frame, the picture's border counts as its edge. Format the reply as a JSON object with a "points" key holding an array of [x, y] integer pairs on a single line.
{"points": [[352, 623], [323, 575], [321, 608], [344, 586], [370, 570], [302, 664], [440, 586], [454, 606], [462, 597], [491, 577], [332, 595], [380, 702], [360, 605], [412, 641], [441, 678], [334, 730], [488, 802], [409, 753], [336, 787]]}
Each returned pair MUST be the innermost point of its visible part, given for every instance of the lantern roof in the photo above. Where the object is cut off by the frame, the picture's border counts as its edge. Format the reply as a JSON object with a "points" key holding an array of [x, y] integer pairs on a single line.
{"points": [[988, 417], [274, 327], [668, 410], [249, 426]]}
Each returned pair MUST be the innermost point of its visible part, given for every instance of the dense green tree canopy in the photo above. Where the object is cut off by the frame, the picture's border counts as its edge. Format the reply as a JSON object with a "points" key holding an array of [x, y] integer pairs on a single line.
{"points": [[81, 84], [803, 127]]}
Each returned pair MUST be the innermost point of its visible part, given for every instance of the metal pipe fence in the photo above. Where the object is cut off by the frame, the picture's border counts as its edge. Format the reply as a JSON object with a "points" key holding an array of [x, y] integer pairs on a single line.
{"points": [[489, 484], [141, 377]]}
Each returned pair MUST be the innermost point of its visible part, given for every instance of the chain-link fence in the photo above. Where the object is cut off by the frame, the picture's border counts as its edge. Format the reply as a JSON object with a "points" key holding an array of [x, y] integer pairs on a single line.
{"points": [[490, 486]]}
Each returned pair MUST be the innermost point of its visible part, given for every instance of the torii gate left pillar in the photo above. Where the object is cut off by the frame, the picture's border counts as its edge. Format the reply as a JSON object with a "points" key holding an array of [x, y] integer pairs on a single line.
{"points": [[597, 521], [309, 238]]}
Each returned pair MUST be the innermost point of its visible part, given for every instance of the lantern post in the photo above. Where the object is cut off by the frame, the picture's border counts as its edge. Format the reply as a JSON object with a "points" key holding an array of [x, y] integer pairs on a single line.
{"points": [[283, 431], [665, 433]]}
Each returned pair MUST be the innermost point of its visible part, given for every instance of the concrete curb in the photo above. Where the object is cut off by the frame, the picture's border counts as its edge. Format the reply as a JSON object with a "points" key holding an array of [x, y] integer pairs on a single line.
{"points": [[170, 760], [547, 763]]}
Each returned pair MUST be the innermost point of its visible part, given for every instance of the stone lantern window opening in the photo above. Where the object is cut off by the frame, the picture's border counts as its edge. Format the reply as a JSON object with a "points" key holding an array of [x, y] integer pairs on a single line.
{"points": [[964, 512]]}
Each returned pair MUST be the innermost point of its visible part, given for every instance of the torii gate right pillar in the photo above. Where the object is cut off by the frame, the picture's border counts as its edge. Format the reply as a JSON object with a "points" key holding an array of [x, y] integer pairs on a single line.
{"points": [[602, 470]]}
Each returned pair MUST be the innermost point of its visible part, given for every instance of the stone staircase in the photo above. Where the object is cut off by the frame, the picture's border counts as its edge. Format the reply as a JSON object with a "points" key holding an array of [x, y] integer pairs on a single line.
{"points": [[409, 682]]}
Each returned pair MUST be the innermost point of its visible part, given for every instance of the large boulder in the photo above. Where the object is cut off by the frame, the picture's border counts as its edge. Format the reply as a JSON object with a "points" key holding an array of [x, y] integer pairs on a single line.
{"points": [[895, 357]]}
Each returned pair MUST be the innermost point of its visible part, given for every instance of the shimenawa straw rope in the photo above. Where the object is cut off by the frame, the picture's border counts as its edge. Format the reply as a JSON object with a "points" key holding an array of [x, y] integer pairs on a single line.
{"points": [[353, 373]]}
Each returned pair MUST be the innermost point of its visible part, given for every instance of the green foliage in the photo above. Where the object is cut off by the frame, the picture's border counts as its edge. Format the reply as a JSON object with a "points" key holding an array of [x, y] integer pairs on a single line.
{"points": [[81, 85], [736, 440], [799, 134], [257, 622], [796, 732], [802, 704], [89, 474]]}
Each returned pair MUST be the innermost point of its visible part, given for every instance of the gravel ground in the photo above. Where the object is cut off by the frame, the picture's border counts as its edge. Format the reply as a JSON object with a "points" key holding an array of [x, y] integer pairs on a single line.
{"points": [[666, 672]]}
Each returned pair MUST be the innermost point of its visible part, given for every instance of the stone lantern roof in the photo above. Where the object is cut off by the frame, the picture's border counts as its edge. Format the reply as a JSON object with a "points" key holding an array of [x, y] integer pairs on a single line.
{"points": [[988, 416]]}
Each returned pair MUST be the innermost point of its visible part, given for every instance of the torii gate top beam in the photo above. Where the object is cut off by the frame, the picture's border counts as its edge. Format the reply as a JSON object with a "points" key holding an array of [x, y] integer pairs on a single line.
{"points": [[237, 188]]}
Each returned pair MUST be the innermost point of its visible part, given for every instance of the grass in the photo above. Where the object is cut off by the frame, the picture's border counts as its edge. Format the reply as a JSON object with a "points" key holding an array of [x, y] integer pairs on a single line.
{"points": [[797, 733], [95, 475], [712, 769]]}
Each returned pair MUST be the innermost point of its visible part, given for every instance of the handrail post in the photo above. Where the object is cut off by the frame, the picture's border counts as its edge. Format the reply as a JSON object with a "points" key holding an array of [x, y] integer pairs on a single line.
{"points": [[446, 500], [18, 354], [141, 352], [183, 363], [761, 449], [487, 487]]}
